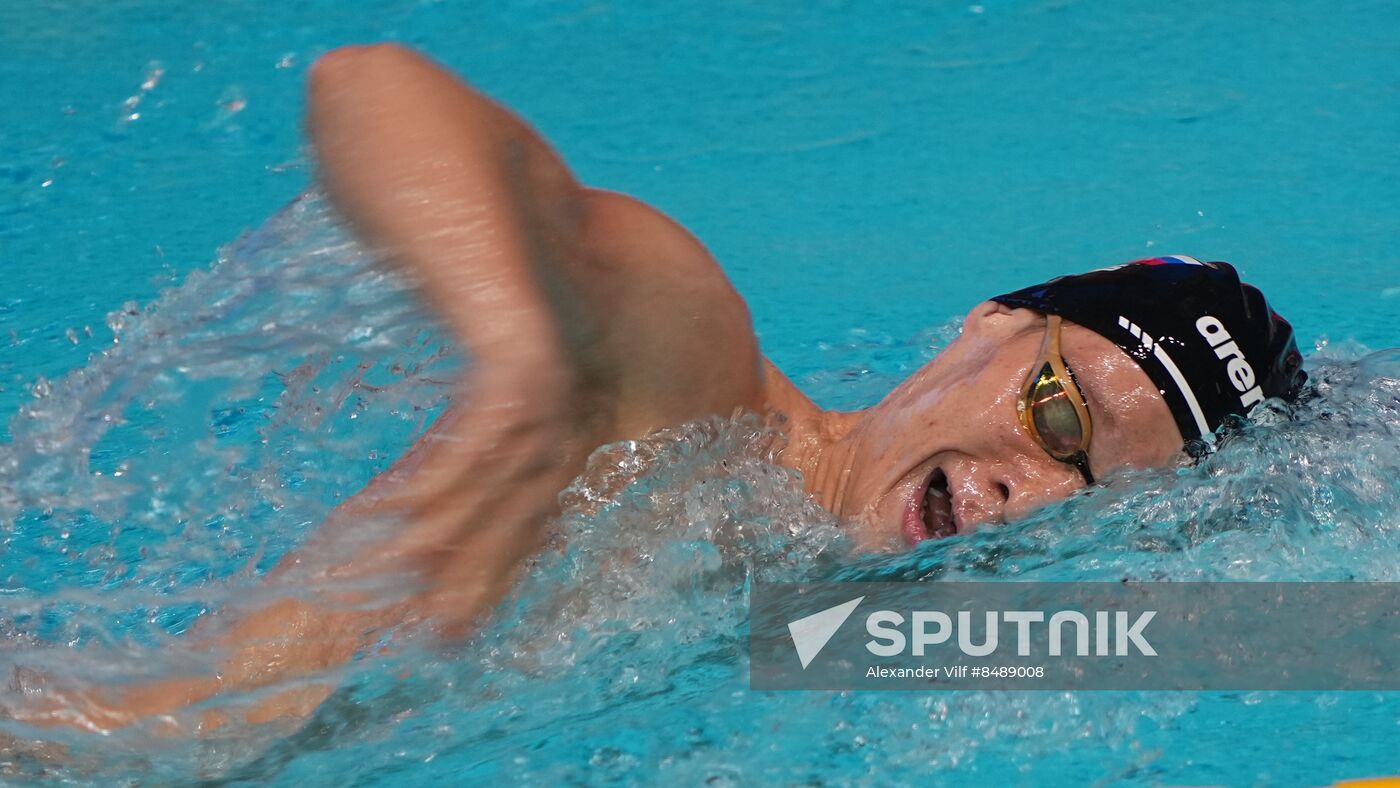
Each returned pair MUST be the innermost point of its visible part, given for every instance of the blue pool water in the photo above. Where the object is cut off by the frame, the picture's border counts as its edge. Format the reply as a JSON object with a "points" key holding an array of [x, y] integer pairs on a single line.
{"points": [[865, 172]]}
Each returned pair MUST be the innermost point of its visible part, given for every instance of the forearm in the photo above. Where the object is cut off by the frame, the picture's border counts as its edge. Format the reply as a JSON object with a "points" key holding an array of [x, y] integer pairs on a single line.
{"points": [[277, 645], [436, 541], [309, 634]]}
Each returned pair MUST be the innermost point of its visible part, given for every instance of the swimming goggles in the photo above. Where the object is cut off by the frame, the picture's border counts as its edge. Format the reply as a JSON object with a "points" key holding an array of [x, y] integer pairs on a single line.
{"points": [[1052, 409]]}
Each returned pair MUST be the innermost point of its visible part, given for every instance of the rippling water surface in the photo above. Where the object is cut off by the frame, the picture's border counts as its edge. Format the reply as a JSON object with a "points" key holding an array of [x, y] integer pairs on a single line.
{"points": [[864, 173], [152, 485]]}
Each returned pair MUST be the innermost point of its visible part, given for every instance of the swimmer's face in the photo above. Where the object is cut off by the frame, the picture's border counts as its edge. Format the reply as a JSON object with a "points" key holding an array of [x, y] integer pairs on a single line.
{"points": [[945, 452]]}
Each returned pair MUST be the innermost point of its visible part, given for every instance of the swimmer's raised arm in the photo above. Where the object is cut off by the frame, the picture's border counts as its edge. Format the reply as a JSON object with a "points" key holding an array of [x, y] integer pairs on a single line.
{"points": [[450, 187], [589, 318]]}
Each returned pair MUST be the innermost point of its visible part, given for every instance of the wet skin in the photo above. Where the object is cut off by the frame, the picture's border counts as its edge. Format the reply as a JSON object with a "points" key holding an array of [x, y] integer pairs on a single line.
{"points": [[591, 318], [954, 422]]}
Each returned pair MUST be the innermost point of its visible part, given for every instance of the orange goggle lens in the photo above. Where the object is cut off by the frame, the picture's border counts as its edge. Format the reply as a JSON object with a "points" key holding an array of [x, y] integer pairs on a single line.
{"points": [[1054, 420]]}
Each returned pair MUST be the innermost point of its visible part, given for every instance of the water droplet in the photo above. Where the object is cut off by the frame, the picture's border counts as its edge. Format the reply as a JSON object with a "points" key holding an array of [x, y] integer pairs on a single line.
{"points": [[153, 74]]}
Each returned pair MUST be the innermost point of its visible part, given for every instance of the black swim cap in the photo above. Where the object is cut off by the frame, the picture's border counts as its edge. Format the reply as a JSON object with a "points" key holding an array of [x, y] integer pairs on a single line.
{"points": [[1211, 345]]}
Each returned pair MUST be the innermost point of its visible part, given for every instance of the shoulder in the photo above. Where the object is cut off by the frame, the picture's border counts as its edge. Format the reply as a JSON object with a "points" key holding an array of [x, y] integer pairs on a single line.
{"points": [[679, 333]]}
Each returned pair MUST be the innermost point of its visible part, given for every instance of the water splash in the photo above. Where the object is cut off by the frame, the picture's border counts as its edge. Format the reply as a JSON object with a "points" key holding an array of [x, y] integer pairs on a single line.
{"points": [[154, 485], [225, 420]]}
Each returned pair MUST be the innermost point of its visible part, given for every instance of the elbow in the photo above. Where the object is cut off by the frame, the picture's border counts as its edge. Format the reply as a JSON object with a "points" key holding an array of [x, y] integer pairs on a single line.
{"points": [[356, 66], [343, 81]]}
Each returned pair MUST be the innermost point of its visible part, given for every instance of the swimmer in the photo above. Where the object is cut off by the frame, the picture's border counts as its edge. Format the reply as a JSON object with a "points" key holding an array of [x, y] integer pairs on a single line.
{"points": [[592, 318]]}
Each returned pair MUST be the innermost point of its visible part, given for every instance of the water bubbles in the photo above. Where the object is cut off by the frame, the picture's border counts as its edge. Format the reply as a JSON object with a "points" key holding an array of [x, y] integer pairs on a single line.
{"points": [[113, 480], [153, 74], [117, 320]]}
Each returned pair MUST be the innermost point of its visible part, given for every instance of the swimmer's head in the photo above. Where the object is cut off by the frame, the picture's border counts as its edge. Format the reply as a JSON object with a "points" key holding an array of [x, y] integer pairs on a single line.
{"points": [[1157, 355], [1210, 343]]}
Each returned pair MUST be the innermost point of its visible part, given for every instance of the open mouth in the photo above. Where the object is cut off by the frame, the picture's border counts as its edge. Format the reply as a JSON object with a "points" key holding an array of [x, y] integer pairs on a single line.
{"points": [[930, 515]]}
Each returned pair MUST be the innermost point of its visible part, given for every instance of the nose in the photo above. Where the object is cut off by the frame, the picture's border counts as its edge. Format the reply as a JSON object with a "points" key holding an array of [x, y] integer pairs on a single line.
{"points": [[979, 496], [1032, 484], [992, 493]]}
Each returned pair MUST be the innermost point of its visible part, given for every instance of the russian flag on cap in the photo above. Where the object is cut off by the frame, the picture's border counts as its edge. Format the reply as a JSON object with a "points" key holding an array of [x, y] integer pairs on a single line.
{"points": [[1171, 259]]}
